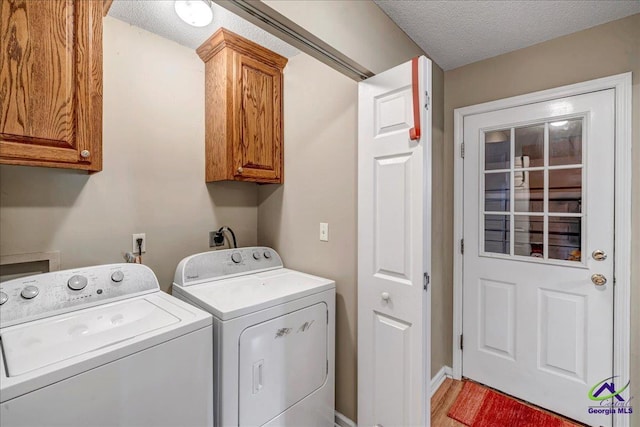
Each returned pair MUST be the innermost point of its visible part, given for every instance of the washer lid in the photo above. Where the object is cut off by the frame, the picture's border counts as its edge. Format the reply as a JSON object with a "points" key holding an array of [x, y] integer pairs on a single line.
{"points": [[36, 345], [235, 297]]}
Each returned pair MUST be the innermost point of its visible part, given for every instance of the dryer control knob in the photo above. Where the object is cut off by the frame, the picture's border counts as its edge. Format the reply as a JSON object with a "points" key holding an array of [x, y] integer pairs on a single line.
{"points": [[236, 257], [29, 292], [3, 298], [267, 254], [77, 282], [117, 276], [256, 255]]}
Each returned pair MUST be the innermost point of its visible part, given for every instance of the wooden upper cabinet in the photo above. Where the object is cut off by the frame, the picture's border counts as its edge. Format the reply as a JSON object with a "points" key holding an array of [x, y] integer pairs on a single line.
{"points": [[243, 110], [51, 83]]}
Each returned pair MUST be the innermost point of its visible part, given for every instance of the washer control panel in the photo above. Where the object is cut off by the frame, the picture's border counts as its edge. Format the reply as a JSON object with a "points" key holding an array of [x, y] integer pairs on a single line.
{"points": [[43, 295], [226, 263]]}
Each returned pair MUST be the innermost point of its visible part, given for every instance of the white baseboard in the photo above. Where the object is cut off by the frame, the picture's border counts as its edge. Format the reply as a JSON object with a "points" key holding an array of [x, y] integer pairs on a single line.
{"points": [[444, 373], [343, 421]]}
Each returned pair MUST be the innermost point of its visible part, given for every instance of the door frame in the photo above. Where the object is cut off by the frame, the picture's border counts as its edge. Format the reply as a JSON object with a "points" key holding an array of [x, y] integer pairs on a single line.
{"points": [[621, 83]]}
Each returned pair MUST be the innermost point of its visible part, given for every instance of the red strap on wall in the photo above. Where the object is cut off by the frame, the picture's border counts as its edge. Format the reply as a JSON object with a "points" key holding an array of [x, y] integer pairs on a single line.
{"points": [[414, 132]]}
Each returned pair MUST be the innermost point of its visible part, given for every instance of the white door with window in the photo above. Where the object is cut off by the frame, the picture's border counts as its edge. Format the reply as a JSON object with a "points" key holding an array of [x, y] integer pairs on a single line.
{"points": [[394, 194], [538, 251]]}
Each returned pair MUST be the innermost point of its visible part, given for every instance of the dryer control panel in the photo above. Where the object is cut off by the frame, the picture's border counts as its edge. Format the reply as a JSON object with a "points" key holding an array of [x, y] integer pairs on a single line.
{"points": [[216, 265], [44, 295]]}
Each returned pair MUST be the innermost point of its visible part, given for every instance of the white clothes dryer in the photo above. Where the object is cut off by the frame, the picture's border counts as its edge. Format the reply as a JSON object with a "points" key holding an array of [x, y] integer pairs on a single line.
{"points": [[273, 337], [102, 346]]}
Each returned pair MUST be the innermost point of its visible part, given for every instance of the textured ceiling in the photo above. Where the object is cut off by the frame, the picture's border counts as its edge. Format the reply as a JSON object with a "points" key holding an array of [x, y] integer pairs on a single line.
{"points": [[456, 33], [159, 17]]}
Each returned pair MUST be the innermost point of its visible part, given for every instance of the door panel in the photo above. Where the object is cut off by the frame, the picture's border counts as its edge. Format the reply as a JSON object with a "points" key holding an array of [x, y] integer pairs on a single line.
{"points": [[497, 318], [538, 200], [259, 90], [51, 79], [392, 357], [393, 245], [392, 186]]}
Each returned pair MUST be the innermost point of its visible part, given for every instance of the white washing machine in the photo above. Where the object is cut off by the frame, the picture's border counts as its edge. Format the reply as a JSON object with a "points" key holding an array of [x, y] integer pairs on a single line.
{"points": [[273, 337], [102, 346]]}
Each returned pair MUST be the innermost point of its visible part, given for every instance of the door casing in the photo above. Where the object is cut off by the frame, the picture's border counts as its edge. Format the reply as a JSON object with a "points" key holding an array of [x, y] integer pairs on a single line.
{"points": [[621, 83]]}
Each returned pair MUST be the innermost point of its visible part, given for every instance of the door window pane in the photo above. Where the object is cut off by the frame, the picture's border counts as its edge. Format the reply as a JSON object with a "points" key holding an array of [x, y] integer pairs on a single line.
{"points": [[497, 192], [529, 235], [533, 181], [565, 238], [497, 149], [565, 142], [529, 146], [529, 191], [565, 190], [497, 230]]}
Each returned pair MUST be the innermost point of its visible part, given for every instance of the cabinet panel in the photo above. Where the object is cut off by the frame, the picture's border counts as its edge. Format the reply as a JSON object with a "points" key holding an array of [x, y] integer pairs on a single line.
{"points": [[51, 83], [258, 150], [243, 110]]}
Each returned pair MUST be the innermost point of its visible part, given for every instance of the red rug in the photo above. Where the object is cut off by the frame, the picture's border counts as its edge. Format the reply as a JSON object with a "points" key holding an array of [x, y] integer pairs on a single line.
{"points": [[478, 406]]}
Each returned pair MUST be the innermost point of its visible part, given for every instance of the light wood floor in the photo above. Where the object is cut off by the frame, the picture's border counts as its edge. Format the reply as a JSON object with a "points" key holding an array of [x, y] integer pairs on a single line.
{"points": [[443, 399]]}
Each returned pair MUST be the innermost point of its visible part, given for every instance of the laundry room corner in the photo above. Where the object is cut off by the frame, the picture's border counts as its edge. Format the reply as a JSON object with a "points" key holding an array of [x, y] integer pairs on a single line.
{"points": [[153, 177]]}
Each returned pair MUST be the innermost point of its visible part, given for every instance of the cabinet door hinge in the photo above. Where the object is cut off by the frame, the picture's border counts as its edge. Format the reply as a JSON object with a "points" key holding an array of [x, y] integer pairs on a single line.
{"points": [[427, 100], [462, 246], [426, 282], [461, 343], [462, 150]]}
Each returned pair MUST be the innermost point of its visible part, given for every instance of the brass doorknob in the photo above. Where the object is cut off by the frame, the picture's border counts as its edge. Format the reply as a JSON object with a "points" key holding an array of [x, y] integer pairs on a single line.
{"points": [[598, 279], [599, 255]]}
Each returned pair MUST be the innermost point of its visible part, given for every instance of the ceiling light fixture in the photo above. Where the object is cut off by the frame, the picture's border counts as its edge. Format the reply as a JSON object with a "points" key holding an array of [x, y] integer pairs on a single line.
{"points": [[195, 12]]}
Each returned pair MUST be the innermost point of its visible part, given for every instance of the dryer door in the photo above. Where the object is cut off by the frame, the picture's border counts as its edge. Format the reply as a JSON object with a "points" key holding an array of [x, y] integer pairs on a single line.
{"points": [[282, 361]]}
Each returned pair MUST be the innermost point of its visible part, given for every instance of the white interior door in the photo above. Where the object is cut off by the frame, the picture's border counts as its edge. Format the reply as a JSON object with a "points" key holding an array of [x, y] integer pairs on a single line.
{"points": [[394, 196], [538, 242]]}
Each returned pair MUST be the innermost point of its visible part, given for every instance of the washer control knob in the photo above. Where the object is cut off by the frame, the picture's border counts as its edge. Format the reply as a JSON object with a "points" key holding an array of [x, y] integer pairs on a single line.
{"points": [[77, 282], [29, 292], [256, 255], [117, 276], [267, 254], [236, 257], [3, 298]]}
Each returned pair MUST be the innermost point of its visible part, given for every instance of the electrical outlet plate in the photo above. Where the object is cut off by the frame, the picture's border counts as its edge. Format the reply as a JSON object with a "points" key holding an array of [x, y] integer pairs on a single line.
{"points": [[324, 231], [134, 241]]}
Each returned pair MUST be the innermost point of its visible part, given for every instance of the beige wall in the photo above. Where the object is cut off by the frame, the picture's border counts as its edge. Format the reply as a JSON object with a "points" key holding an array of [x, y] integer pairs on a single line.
{"points": [[601, 51], [153, 177], [358, 29], [440, 306]]}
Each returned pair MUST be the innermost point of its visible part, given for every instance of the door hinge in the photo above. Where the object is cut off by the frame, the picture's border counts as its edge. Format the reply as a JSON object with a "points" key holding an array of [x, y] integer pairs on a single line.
{"points": [[462, 246], [461, 343], [462, 150], [427, 100], [427, 280]]}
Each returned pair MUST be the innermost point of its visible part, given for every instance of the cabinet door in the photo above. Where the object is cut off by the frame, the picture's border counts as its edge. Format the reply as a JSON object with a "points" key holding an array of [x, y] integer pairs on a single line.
{"points": [[51, 83], [257, 150]]}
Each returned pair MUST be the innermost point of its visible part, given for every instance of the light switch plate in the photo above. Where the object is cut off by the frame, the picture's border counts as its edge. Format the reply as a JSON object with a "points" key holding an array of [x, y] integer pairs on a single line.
{"points": [[324, 231]]}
